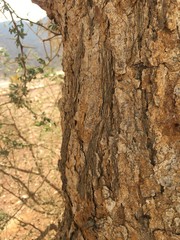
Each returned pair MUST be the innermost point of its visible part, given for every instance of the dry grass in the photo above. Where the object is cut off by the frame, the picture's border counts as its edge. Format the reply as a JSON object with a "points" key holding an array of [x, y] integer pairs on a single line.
{"points": [[30, 196]]}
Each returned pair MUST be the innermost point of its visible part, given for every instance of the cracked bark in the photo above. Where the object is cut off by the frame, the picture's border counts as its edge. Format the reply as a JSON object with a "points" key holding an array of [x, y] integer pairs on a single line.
{"points": [[120, 118]]}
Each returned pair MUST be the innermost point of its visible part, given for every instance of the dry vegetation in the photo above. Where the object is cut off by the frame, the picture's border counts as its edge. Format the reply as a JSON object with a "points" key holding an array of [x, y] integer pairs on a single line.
{"points": [[30, 198]]}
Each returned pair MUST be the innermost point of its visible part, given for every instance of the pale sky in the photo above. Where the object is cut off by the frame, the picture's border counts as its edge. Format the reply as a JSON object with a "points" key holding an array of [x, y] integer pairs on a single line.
{"points": [[25, 9]]}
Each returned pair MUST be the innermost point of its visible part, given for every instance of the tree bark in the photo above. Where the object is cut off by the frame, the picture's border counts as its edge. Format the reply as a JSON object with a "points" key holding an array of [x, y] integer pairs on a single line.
{"points": [[119, 162]]}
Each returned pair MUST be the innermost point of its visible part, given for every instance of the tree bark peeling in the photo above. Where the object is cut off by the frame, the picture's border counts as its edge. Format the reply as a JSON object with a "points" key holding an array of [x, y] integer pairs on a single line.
{"points": [[120, 118]]}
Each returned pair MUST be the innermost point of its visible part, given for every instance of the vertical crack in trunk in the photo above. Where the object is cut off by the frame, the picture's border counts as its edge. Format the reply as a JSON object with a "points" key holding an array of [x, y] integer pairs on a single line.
{"points": [[119, 151]]}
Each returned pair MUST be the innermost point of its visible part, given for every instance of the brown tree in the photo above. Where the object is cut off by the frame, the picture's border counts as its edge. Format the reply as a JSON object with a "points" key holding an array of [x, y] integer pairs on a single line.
{"points": [[119, 157]]}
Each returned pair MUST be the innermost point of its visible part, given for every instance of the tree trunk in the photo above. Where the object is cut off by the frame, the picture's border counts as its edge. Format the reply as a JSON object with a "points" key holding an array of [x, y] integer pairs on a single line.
{"points": [[119, 157]]}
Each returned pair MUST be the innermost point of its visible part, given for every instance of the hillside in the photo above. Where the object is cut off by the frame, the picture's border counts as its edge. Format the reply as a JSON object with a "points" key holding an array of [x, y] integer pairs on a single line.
{"points": [[33, 43], [7, 39]]}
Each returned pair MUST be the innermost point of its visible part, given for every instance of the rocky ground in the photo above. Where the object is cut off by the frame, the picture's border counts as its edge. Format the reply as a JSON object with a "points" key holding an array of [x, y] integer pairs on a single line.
{"points": [[30, 188]]}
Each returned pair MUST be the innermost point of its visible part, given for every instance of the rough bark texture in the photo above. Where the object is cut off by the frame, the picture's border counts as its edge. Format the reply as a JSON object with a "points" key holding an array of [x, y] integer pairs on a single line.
{"points": [[120, 163]]}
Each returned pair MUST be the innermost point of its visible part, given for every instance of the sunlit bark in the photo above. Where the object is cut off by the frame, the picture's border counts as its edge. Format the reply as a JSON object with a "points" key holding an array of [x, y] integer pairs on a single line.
{"points": [[119, 156]]}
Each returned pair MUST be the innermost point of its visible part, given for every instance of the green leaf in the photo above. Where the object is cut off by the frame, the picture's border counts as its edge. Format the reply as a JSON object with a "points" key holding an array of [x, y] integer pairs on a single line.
{"points": [[4, 152], [41, 61]]}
